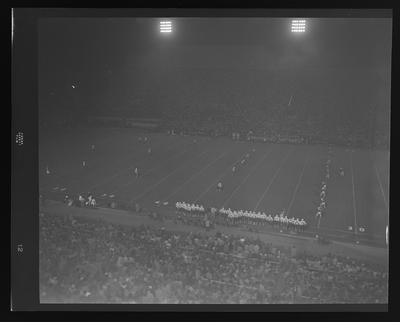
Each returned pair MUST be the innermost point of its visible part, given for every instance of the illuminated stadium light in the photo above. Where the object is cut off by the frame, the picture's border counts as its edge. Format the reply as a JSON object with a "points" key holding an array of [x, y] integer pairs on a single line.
{"points": [[165, 26], [298, 25], [19, 138]]}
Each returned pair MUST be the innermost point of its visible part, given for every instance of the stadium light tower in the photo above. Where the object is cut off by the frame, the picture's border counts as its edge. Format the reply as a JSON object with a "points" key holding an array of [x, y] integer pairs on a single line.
{"points": [[166, 26], [298, 26]]}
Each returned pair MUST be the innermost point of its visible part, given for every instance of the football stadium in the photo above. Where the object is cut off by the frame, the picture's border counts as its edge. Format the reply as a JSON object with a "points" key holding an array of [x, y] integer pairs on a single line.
{"points": [[225, 162]]}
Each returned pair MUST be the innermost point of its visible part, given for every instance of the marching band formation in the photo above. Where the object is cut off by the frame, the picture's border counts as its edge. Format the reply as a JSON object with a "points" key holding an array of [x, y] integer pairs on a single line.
{"points": [[234, 217], [322, 206]]}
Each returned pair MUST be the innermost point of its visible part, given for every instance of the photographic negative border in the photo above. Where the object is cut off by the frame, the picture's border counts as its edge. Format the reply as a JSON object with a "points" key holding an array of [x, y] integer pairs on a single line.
{"points": [[24, 288]]}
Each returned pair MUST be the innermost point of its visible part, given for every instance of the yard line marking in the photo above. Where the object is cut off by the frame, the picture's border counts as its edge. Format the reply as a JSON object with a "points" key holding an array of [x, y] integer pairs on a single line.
{"points": [[219, 178], [194, 175], [380, 185], [245, 179], [354, 194], [297, 186], [160, 181], [271, 181], [148, 171], [126, 169]]}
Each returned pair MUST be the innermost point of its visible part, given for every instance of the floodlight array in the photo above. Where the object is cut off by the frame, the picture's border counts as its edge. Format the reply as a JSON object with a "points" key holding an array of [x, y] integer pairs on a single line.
{"points": [[298, 25], [165, 26]]}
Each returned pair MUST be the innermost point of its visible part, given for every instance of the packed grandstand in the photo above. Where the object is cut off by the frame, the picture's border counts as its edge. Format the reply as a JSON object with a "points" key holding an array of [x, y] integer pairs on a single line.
{"points": [[87, 260]]}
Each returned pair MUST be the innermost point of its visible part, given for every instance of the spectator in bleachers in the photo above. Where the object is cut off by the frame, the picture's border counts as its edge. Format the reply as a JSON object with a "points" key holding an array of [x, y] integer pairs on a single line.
{"points": [[92, 261]]}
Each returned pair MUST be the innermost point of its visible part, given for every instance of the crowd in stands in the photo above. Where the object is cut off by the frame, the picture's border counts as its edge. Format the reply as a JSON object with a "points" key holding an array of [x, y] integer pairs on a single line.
{"points": [[256, 126], [209, 217], [84, 260], [221, 102], [265, 112]]}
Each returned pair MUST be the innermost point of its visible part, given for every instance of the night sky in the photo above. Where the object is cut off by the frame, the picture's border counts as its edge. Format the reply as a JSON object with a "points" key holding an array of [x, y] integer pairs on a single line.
{"points": [[338, 64]]}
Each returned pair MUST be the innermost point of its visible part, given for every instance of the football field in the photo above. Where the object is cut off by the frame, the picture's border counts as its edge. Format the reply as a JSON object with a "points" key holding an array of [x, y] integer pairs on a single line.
{"points": [[274, 177]]}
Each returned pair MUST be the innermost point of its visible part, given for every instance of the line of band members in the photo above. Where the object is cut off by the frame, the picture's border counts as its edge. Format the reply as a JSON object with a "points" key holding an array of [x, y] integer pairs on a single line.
{"points": [[240, 216]]}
